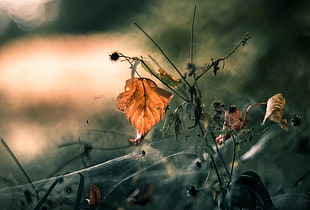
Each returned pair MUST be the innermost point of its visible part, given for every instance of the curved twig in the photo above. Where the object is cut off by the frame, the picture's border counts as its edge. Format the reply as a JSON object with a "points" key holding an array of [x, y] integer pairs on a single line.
{"points": [[216, 62], [249, 108]]}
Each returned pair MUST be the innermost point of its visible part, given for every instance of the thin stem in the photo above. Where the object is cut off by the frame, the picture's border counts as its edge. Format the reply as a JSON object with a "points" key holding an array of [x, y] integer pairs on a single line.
{"points": [[241, 42], [192, 37], [158, 65], [212, 158], [219, 154], [50, 189], [132, 66], [234, 156], [216, 170], [170, 88], [79, 193], [249, 108], [153, 59], [19, 165], [163, 53], [214, 63]]}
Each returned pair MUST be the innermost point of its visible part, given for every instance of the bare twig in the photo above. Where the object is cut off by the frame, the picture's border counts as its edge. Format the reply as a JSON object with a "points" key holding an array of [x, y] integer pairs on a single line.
{"points": [[212, 159], [191, 49], [234, 156], [164, 54], [216, 62], [249, 108], [216, 170]]}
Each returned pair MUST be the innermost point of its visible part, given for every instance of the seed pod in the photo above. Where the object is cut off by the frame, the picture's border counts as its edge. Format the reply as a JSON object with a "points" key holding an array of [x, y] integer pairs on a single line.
{"points": [[275, 110]]}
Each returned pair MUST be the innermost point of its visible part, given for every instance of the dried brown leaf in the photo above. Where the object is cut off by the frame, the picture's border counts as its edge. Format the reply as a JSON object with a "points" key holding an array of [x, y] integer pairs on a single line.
{"points": [[168, 78], [275, 110], [144, 104], [233, 122], [222, 138], [95, 196], [233, 119]]}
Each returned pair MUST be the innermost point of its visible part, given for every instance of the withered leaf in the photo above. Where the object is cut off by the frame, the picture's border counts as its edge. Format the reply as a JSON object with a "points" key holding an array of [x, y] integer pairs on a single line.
{"points": [[233, 122], [95, 196], [172, 121], [144, 104], [275, 110], [168, 78], [162, 74], [222, 138], [233, 119]]}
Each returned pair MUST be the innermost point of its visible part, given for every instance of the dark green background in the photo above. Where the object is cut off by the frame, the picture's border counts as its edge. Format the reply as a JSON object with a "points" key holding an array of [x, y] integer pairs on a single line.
{"points": [[275, 60]]}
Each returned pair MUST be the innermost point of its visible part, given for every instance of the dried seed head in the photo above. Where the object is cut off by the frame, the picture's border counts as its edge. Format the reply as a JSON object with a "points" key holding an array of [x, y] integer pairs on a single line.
{"points": [[192, 191], [114, 56]]}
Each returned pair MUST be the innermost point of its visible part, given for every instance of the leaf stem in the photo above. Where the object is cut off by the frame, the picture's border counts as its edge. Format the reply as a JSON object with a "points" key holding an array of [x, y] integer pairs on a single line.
{"points": [[249, 108]]}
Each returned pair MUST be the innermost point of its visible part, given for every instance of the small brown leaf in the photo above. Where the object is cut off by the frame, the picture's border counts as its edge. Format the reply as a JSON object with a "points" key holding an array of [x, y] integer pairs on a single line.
{"points": [[222, 138], [233, 119], [275, 110], [233, 122], [168, 78], [95, 196], [144, 104]]}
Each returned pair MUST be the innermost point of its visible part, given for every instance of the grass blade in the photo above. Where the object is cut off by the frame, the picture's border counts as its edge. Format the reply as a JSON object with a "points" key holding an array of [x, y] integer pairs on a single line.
{"points": [[79, 193], [50, 189], [11, 153]]}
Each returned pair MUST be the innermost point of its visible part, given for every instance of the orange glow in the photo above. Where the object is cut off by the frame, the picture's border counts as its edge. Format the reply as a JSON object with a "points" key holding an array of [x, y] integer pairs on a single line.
{"points": [[61, 64], [55, 82], [27, 142]]}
